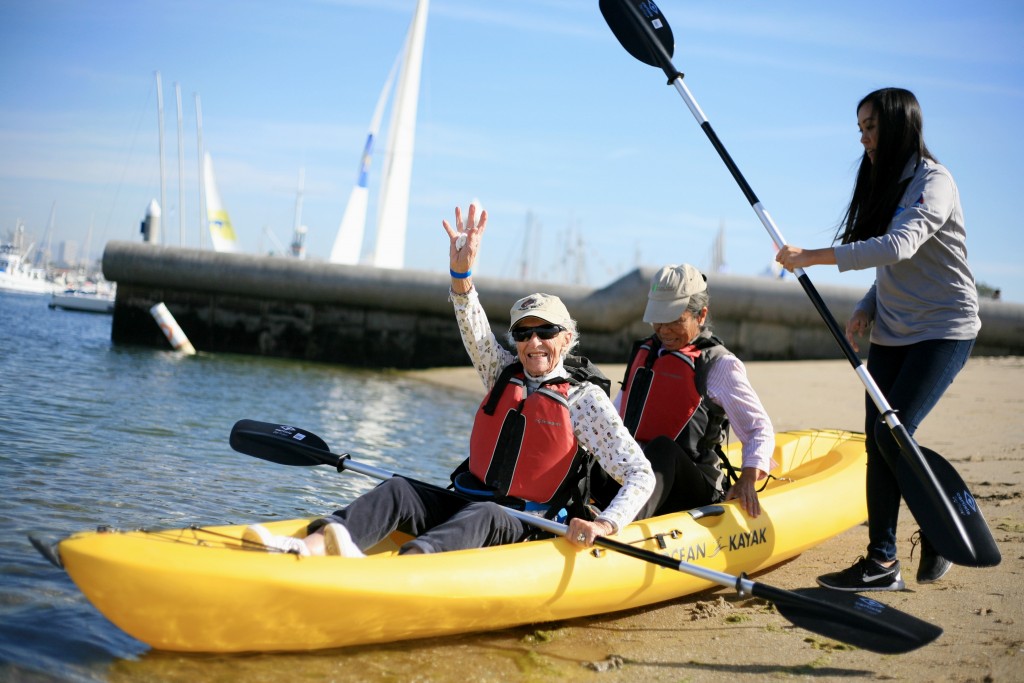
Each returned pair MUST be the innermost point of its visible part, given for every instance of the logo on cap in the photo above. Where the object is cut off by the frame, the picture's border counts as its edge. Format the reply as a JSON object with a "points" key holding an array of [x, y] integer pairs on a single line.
{"points": [[530, 303]]}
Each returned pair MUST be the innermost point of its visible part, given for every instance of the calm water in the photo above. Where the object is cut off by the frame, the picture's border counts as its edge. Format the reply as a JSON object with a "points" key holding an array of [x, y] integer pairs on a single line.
{"points": [[94, 434]]}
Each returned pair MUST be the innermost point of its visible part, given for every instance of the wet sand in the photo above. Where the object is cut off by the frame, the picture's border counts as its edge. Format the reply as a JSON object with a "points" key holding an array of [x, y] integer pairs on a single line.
{"points": [[714, 636]]}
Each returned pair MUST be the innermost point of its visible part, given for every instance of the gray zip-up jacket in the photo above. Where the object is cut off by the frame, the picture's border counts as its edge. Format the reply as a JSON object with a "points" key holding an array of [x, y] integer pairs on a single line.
{"points": [[923, 286]]}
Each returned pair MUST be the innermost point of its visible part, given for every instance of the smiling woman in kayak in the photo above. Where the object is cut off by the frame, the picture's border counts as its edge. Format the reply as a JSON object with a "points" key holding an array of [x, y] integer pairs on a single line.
{"points": [[544, 421]]}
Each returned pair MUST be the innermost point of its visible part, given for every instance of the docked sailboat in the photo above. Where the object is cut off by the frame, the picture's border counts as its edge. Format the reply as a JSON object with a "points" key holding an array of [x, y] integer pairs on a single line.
{"points": [[17, 276], [393, 200]]}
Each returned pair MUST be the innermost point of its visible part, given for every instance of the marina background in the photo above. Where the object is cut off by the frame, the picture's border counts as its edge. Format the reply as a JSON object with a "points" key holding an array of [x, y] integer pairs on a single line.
{"points": [[588, 163], [97, 434]]}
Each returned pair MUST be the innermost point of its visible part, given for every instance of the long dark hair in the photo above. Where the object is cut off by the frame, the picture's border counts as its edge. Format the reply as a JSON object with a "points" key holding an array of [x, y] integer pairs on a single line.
{"points": [[878, 189]]}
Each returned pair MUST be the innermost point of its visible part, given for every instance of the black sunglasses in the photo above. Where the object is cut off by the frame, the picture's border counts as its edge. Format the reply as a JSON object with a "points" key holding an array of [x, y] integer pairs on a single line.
{"points": [[545, 332]]}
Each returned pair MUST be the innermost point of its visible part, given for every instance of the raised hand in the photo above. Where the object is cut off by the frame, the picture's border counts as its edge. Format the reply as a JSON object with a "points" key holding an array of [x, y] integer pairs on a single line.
{"points": [[464, 240]]}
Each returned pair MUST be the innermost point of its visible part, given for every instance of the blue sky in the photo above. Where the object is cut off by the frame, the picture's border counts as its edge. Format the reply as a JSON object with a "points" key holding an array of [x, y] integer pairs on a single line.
{"points": [[530, 106]]}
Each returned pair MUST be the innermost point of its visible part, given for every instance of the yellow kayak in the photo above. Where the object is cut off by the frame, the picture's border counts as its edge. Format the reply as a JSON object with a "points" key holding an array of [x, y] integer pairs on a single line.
{"points": [[200, 590]]}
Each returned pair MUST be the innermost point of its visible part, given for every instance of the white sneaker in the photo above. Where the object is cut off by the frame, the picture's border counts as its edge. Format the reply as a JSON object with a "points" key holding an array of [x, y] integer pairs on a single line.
{"points": [[337, 541], [257, 537]]}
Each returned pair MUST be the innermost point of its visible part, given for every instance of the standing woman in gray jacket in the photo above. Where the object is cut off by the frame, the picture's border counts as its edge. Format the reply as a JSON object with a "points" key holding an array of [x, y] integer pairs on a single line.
{"points": [[905, 221]]}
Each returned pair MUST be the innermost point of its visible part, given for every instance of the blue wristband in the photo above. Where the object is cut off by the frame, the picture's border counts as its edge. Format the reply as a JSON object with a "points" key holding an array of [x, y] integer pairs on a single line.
{"points": [[460, 276]]}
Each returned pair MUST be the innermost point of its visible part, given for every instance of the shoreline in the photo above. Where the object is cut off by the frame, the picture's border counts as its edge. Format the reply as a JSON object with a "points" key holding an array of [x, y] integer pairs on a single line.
{"points": [[716, 636]]}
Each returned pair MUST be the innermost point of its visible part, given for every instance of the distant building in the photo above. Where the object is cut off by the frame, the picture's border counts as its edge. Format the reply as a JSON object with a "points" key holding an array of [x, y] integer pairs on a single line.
{"points": [[67, 255]]}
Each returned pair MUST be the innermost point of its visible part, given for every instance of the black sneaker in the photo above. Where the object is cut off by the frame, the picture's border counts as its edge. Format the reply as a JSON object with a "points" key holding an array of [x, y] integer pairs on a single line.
{"points": [[932, 566], [865, 575]]}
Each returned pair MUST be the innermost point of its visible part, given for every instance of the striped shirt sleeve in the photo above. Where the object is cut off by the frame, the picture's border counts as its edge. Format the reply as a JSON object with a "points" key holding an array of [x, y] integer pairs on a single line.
{"points": [[485, 353], [729, 387]]}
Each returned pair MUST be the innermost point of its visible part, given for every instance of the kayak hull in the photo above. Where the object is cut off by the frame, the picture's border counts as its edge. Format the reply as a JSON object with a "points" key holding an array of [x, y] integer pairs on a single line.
{"points": [[199, 590]]}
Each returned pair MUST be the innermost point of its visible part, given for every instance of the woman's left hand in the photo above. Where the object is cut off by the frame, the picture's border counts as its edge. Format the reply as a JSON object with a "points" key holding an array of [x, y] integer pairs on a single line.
{"points": [[582, 533], [745, 489], [858, 325]]}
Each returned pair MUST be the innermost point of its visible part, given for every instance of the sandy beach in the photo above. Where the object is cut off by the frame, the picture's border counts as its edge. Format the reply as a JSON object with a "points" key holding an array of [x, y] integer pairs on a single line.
{"points": [[714, 636]]}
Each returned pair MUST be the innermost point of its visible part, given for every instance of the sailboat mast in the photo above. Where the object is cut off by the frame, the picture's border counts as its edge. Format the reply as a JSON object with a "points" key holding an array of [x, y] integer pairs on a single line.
{"points": [[160, 138], [298, 199], [199, 161], [181, 171], [299, 232], [526, 258], [48, 240]]}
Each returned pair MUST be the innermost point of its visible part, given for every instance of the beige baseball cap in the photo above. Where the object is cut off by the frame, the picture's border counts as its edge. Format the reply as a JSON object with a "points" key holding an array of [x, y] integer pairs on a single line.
{"points": [[670, 293], [547, 307]]}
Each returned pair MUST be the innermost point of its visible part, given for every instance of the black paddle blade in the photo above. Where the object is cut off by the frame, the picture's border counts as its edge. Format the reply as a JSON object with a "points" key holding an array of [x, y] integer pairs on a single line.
{"points": [[47, 550], [283, 444], [979, 548], [851, 618], [621, 17]]}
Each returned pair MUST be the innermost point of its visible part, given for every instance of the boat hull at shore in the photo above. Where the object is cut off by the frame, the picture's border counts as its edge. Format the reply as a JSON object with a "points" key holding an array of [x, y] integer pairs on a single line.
{"points": [[200, 590], [74, 300], [27, 285]]}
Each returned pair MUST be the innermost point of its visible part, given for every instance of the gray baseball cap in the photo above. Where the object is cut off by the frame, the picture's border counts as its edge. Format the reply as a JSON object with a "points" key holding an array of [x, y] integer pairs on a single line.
{"points": [[670, 293]]}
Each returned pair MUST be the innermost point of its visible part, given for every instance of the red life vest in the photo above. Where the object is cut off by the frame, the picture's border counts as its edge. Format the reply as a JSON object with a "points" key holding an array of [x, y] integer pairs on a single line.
{"points": [[660, 394], [524, 446]]}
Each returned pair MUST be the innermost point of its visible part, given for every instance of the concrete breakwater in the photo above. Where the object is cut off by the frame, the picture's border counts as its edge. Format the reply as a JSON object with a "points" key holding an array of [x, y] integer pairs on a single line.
{"points": [[364, 316]]}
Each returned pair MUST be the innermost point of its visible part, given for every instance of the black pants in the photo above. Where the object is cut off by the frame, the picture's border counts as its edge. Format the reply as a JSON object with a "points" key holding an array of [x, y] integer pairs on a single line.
{"points": [[913, 379], [440, 520], [679, 483]]}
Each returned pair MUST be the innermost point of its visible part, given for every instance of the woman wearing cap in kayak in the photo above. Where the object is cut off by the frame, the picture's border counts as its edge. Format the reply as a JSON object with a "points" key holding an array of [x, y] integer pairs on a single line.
{"points": [[681, 392], [533, 439]]}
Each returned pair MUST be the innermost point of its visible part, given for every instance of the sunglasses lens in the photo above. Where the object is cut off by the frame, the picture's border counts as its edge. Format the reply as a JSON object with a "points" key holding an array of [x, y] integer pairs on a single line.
{"points": [[545, 332]]}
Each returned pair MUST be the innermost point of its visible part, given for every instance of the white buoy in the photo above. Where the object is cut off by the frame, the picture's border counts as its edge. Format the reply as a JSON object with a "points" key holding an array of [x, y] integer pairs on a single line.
{"points": [[175, 335]]}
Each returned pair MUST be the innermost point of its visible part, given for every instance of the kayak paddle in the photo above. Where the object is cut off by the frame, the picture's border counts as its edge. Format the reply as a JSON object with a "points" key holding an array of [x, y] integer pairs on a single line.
{"points": [[935, 493], [847, 617]]}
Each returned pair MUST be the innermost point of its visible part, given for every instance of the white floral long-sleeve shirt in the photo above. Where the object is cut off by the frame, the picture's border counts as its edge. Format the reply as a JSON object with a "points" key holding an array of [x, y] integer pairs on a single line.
{"points": [[595, 421]]}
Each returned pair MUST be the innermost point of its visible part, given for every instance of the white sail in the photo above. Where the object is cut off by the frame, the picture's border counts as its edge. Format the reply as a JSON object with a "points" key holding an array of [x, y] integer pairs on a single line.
{"points": [[221, 232], [393, 203], [718, 263], [348, 243]]}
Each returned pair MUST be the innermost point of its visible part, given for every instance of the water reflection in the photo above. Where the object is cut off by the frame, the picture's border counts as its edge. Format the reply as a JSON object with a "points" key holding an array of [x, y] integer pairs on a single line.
{"points": [[96, 434]]}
